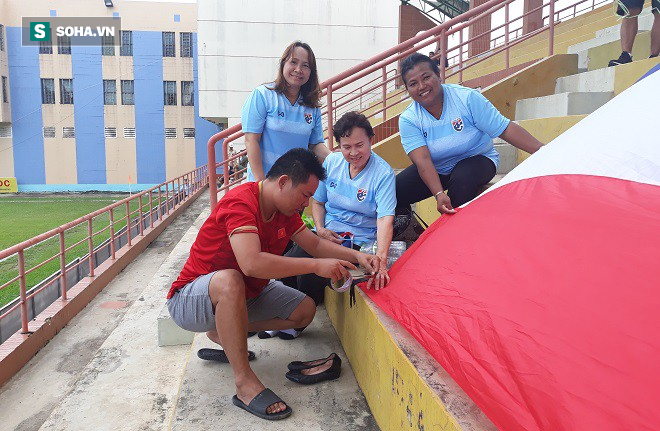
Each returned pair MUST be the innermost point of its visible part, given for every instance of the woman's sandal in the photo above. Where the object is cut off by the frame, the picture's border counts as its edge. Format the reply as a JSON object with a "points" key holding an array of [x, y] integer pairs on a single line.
{"points": [[299, 365], [260, 403], [332, 373]]}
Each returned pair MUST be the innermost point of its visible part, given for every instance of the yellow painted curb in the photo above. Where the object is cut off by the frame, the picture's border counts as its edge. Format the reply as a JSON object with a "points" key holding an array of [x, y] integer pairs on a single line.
{"points": [[404, 386]]}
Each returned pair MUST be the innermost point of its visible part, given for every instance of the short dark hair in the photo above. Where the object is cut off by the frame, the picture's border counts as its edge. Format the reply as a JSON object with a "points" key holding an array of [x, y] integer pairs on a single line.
{"points": [[413, 60], [345, 124], [298, 164]]}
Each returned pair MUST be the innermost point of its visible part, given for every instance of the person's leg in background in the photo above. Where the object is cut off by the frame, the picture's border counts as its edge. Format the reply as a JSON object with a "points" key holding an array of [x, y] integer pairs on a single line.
{"points": [[629, 27], [655, 30], [467, 178]]}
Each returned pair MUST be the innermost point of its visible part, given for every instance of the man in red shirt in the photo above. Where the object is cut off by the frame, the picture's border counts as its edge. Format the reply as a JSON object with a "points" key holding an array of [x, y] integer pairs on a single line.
{"points": [[227, 286]]}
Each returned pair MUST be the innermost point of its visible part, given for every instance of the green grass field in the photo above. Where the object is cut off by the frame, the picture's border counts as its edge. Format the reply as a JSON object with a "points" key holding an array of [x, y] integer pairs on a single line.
{"points": [[23, 217]]}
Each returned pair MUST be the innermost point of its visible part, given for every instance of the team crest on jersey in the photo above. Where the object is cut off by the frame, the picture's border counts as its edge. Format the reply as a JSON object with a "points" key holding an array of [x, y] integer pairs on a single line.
{"points": [[361, 194], [457, 124], [309, 118]]}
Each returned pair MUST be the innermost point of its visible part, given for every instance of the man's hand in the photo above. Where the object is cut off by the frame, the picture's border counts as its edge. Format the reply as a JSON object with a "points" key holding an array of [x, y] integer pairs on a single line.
{"points": [[369, 262], [329, 235], [334, 269], [444, 204]]}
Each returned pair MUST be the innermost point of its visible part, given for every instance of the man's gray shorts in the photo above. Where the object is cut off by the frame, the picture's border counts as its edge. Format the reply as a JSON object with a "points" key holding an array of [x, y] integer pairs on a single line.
{"points": [[191, 307]]}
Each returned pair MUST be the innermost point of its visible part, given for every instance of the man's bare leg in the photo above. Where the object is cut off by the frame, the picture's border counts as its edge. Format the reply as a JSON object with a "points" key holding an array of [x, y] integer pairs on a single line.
{"points": [[629, 30], [227, 292], [655, 34]]}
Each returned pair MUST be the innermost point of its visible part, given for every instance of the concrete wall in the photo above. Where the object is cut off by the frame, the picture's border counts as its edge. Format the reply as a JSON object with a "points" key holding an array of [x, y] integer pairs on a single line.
{"points": [[241, 41]]}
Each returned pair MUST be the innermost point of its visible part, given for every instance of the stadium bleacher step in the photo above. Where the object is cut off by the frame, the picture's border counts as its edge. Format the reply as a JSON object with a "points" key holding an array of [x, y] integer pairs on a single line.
{"points": [[599, 80], [562, 104], [508, 156], [607, 36]]}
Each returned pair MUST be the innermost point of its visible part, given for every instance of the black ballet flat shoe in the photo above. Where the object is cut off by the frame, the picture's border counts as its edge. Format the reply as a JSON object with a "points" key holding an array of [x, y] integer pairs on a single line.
{"points": [[331, 373], [300, 365]]}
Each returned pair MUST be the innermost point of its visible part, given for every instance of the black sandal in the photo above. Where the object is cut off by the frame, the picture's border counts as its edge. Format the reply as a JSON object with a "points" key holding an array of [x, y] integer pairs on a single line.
{"points": [[219, 355], [300, 365], [331, 373], [260, 403]]}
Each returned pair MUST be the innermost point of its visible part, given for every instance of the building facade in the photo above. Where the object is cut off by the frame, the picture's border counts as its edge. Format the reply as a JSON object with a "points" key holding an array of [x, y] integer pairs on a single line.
{"points": [[78, 118]]}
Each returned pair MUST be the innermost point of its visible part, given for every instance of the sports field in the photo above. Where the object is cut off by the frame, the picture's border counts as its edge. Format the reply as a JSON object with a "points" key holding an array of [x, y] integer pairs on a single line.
{"points": [[25, 216]]}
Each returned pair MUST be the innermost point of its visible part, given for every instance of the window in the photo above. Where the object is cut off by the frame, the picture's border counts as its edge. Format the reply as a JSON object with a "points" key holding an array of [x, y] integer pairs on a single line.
{"points": [[109, 92], [107, 45], [47, 91], [126, 49], [66, 91], [188, 132], [49, 132], [5, 131], [63, 45], [169, 48], [187, 93], [68, 132], [45, 47], [170, 133], [5, 98], [110, 132], [127, 92], [2, 37], [186, 44], [129, 132], [169, 91]]}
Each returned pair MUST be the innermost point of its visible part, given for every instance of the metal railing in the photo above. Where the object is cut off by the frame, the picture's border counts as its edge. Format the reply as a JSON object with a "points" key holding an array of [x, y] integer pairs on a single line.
{"points": [[381, 70], [153, 205]]}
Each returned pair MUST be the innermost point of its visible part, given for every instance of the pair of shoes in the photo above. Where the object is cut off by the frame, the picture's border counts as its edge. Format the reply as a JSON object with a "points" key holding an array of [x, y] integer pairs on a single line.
{"points": [[304, 376], [260, 403], [299, 365], [219, 355], [623, 59]]}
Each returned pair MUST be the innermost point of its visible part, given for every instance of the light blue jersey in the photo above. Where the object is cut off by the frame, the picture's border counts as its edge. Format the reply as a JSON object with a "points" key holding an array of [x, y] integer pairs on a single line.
{"points": [[354, 205], [283, 126], [466, 128]]}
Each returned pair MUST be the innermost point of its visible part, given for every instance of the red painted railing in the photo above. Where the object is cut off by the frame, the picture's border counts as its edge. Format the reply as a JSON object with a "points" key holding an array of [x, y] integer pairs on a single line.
{"points": [[380, 70], [153, 205]]}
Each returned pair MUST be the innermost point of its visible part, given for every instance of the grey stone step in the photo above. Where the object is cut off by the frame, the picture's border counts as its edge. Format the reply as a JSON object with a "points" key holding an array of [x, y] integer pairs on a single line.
{"points": [[560, 105], [508, 156], [599, 80]]}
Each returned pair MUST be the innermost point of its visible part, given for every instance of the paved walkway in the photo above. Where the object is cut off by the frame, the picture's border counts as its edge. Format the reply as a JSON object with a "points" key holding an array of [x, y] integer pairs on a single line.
{"points": [[104, 371]]}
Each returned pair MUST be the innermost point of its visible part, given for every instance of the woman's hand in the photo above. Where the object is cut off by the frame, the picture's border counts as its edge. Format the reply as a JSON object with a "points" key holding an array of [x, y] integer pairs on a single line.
{"points": [[329, 235], [444, 204], [381, 278]]}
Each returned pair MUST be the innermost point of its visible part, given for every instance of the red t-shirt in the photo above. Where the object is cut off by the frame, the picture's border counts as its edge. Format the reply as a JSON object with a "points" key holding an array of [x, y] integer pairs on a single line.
{"points": [[237, 212]]}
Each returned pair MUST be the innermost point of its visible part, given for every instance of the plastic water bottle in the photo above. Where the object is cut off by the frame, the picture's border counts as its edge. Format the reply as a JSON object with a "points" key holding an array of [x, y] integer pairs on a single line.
{"points": [[397, 248]]}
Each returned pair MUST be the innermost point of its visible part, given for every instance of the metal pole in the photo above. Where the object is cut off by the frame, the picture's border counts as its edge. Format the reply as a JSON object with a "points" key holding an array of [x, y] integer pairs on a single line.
{"points": [[151, 209], [443, 51], [90, 243], [551, 39], [128, 223], [506, 32], [384, 94], [141, 219], [460, 56], [112, 233], [23, 295], [330, 123], [62, 266]]}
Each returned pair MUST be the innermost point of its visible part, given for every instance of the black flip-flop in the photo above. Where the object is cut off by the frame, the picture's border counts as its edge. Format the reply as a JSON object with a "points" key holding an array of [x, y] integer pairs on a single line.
{"points": [[219, 355], [260, 403]]}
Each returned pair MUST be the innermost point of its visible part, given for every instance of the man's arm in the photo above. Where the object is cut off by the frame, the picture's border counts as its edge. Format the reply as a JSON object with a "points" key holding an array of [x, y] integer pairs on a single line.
{"points": [[320, 150], [319, 247], [259, 264]]}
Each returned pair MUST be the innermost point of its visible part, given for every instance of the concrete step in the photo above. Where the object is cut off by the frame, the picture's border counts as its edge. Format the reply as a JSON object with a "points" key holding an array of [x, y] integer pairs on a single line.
{"points": [[599, 80], [560, 105], [508, 156], [607, 36]]}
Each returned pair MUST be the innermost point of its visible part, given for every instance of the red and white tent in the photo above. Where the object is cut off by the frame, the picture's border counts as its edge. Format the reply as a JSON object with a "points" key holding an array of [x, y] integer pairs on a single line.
{"points": [[541, 298]]}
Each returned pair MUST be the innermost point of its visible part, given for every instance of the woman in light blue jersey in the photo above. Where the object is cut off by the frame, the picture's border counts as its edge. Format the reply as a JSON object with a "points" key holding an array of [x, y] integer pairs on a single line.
{"points": [[284, 114], [447, 131], [358, 196]]}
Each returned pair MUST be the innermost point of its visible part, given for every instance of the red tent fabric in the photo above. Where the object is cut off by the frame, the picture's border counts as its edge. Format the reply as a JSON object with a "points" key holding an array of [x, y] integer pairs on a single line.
{"points": [[541, 298]]}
